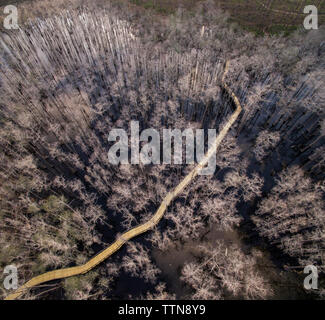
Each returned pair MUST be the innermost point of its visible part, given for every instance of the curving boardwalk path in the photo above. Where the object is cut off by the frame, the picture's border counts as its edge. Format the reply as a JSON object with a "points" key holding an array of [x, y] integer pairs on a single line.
{"points": [[93, 262]]}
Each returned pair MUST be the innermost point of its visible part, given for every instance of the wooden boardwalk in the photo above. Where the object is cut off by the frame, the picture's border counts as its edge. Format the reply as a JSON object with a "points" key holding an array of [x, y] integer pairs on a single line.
{"points": [[73, 271]]}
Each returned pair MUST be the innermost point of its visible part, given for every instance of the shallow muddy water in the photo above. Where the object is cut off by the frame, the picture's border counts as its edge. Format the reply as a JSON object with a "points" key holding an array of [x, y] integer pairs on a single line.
{"points": [[171, 262]]}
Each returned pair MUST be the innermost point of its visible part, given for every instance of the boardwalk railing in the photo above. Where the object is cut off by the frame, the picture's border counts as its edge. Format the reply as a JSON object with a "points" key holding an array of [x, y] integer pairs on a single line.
{"points": [[93, 262]]}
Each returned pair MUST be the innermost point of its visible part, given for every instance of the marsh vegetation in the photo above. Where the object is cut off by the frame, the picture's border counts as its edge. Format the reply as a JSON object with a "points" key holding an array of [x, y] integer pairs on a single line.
{"points": [[67, 79]]}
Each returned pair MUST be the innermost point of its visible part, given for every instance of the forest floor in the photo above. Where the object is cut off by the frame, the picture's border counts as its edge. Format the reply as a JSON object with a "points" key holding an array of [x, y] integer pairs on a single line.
{"points": [[258, 16], [281, 10], [68, 272]]}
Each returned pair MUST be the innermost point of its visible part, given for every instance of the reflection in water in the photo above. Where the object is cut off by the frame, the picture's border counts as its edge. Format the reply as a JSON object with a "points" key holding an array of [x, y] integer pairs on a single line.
{"points": [[285, 284], [171, 261]]}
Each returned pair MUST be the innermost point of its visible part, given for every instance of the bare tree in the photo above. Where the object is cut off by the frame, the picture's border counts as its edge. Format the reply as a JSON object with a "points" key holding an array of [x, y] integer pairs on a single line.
{"points": [[291, 216]]}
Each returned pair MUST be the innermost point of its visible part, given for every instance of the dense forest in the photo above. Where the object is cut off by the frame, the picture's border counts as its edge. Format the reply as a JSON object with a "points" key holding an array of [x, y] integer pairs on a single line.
{"points": [[247, 232]]}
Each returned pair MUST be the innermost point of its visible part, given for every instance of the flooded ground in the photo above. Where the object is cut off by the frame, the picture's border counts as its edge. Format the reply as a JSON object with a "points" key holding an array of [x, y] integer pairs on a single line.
{"points": [[172, 260], [285, 284]]}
